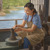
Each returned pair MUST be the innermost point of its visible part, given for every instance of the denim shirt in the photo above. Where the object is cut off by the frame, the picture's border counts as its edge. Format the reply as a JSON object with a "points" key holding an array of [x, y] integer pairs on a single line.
{"points": [[36, 20]]}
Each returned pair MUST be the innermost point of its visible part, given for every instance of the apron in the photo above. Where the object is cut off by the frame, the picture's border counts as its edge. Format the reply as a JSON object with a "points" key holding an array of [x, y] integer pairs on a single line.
{"points": [[34, 37]]}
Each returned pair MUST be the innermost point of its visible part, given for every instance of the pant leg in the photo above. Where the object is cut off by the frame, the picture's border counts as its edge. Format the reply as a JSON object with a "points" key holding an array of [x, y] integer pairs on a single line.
{"points": [[26, 43], [16, 34]]}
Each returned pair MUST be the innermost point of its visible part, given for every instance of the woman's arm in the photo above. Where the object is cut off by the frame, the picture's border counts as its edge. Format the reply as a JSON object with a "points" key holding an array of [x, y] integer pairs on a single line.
{"points": [[29, 29], [22, 25]]}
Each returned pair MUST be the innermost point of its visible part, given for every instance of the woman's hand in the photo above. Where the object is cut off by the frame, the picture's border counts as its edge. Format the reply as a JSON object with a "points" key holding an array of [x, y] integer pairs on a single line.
{"points": [[18, 29]]}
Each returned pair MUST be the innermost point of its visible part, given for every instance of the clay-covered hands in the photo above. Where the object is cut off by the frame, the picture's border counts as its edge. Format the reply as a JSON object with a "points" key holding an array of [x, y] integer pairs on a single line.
{"points": [[18, 29]]}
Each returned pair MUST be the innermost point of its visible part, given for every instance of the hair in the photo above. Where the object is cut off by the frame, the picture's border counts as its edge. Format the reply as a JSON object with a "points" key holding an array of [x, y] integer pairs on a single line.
{"points": [[30, 6]]}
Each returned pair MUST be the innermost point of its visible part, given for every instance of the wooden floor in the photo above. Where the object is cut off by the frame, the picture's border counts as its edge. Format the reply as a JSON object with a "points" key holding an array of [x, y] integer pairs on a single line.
{"points": [[40, 49]]}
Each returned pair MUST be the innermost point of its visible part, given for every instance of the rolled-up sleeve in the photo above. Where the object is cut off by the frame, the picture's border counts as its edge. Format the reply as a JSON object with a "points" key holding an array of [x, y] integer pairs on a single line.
{"points": [[35, 21], [25, 17]]}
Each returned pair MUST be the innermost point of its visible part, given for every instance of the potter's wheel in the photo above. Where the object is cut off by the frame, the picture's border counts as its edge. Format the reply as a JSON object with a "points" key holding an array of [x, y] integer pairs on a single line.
{"points": [[13, 40]]}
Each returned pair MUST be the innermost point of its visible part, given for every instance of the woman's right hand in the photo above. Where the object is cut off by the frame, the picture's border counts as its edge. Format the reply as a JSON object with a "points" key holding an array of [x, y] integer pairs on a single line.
{"points": [[14, 27]]}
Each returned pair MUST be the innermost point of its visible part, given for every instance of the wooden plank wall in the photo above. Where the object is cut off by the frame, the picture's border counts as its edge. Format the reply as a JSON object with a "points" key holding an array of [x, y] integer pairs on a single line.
{"points": [[49, 12], [39, 4], [49, 7]]}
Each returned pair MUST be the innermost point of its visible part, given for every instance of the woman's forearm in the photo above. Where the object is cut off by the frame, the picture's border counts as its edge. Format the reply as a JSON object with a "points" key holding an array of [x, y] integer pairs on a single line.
{"points": [[28, 29], [19, 25]]}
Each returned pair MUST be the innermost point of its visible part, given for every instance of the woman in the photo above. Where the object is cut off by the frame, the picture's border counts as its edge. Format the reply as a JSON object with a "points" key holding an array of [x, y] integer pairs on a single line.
{"points": [[32, 35]]}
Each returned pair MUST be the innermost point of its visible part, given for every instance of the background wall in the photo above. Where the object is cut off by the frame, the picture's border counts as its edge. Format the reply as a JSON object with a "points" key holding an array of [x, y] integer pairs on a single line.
{"points": [[49, 7]]}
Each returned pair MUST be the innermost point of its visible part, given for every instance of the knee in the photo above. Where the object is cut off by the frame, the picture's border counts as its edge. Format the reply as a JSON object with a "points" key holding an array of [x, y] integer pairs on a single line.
{"points": [[25, 39]]}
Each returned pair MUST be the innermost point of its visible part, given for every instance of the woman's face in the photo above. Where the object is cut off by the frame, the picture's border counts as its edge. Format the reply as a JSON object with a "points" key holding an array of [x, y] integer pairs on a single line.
{"points": [[28, 11]]}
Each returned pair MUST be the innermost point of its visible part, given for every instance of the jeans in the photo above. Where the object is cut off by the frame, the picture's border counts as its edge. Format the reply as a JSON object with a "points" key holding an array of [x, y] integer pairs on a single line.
{"points": [[26, 42]]}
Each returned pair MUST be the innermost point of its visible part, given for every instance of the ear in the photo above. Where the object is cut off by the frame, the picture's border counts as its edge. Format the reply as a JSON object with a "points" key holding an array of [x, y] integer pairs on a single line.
{"points": [[32, 10]]}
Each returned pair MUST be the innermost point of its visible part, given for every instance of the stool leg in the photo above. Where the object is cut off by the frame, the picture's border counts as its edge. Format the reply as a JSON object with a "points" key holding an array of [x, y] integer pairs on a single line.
{"points": [[45, 47]]}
